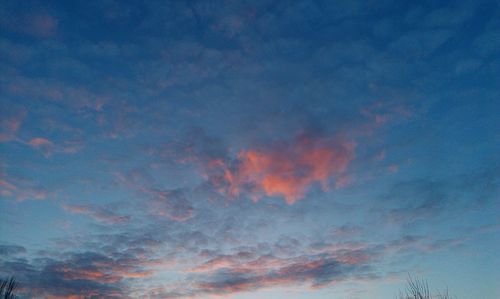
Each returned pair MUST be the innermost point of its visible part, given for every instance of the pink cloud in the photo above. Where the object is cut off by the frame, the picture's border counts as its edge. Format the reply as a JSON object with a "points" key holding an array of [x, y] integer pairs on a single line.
{"points": [[44, 145], [10, 125], [284, 170], [39, 142], [21, 190], [241, 264], [96, 213], [47, 147], [107, 273], [7, 189]]}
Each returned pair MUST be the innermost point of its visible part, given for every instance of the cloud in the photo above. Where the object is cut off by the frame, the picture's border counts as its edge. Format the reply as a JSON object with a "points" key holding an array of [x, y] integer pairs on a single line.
{"points": [[251, 270], [52, 278], [197, 147], [39, 142], [413, 200], [44, 145], [120, 259], [419, 199], [9, 125], [347, 231], [21, 189], [381, 113], [100, 273], [47, 147], [97, 213], [99, 268], [172, 204], [286, 169], [9, 250]]}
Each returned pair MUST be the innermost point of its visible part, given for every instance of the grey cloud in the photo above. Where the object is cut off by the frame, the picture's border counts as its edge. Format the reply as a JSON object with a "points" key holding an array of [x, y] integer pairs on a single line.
{"points": [[9, 250]]}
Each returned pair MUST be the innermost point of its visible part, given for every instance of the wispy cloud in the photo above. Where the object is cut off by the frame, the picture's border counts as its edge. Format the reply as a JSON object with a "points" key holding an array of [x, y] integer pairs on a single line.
{"points": [[172, 204], [97, 213], [43, 144], [21, 189], [10, 125]]}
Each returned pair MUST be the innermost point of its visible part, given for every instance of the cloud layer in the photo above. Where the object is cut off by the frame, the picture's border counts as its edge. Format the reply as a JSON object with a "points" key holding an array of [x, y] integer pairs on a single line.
{"points": [[194, 149]]}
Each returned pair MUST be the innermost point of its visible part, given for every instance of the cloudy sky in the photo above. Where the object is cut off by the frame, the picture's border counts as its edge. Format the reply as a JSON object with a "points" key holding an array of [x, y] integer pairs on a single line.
{"points": [[249, 149]]}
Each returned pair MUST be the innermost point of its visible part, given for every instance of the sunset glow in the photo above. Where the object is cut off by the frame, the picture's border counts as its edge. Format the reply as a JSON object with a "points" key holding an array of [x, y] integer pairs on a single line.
{"points": [[326, 149]]}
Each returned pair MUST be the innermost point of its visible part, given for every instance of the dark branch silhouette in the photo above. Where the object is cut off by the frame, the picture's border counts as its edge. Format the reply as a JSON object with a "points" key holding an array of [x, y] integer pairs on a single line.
{"points": [[417, 288], [7, 288]]}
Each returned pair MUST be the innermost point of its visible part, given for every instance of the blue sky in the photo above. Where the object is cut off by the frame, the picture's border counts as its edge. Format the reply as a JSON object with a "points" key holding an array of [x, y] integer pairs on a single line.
{"points": [[249, 149]]}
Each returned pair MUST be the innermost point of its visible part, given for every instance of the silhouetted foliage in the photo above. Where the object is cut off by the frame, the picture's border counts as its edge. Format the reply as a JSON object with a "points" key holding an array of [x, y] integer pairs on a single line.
{"points": [[419, 289], [7, 288]]}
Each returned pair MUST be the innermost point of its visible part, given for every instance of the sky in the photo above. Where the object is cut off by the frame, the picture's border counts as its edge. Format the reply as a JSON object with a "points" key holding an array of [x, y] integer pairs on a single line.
{"points": [[249, 149]]}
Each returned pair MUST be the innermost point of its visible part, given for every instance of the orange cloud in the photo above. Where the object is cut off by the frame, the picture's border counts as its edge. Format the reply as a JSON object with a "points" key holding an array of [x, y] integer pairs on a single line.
{"points": [[285, 170]]}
